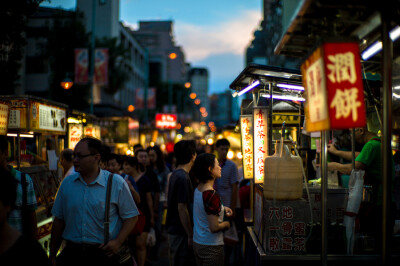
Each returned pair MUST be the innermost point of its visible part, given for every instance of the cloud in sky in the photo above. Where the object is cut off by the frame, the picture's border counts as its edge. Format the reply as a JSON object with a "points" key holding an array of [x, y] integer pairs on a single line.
{"points": [[230, 36]]}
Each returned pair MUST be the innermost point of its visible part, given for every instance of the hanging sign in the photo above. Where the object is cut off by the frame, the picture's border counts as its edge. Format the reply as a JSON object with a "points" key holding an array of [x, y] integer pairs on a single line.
{"points": [[260, 140], [47, 117], [101, 66], [81, 66], [75, 132], [166, 121], [4, 114], [92, 131], [246, 132], [333, 87]]}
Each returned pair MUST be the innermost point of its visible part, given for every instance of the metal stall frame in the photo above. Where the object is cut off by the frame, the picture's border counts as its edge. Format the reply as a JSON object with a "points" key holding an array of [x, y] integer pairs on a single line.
{"points": [[271, 77], [368, 21]]}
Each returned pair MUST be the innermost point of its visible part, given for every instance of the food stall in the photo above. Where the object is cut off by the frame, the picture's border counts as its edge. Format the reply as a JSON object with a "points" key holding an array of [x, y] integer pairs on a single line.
{"points": [[35, 130], [283, 210], [306, 37], [81, 125], [119, 133]]}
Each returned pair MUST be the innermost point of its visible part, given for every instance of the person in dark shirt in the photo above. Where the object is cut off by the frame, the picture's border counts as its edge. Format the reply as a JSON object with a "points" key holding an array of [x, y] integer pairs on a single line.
{"points": [[133, 168], [15, 248], [179, 221]]}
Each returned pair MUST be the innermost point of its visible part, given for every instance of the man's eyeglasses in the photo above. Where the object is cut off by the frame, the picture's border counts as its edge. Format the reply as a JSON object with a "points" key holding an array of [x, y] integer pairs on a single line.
{"points": [[81, 156]]}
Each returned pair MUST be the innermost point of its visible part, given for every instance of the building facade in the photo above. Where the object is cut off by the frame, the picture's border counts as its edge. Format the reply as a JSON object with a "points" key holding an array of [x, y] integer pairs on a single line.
{"points": [[199, 84]]}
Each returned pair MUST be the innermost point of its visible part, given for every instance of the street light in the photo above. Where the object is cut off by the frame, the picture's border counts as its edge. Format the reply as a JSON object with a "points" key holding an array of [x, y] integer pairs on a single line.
{"points": [[66, 83], [188, 85]]}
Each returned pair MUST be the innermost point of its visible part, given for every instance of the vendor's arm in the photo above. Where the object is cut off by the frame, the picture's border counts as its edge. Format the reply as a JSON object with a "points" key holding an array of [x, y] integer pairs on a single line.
{"points": [[345, 168], [347, 155]]}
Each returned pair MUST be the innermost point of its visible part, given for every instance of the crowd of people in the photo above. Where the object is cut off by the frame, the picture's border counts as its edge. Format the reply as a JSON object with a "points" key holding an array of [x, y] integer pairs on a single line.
{"points": [[116, 210]]}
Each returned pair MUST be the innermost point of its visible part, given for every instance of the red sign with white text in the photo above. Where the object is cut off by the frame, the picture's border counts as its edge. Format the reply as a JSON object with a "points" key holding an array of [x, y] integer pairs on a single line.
{"points": [[334, 87], [166, 121], [344, 85]]}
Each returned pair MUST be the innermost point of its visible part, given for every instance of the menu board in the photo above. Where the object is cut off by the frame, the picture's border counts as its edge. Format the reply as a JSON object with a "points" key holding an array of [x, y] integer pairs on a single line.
{"points": [[17, 116], [47, 117], [4, 110]]}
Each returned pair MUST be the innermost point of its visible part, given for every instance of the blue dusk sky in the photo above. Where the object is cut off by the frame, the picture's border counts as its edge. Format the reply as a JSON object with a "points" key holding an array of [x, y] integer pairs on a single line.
{"points": [[213, 33]]}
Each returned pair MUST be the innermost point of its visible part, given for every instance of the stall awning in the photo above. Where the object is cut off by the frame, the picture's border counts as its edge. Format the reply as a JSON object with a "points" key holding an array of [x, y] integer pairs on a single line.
{"points": [[265, 74], [315, 20]]}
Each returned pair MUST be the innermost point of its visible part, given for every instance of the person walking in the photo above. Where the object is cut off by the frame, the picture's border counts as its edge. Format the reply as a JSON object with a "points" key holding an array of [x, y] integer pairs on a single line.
{"points": [[23, 217], [227, 188], [158, 165], [180, 199], [66, 162], [15, 248], [208, 213], [79, 212], [114, 165], [133, 168]]}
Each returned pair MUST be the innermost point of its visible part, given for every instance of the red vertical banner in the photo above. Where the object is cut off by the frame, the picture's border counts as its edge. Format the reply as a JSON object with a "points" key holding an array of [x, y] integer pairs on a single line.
{"points": [[139, 97], [81, 66], [151, 98], [345, 85], [101, 66]]}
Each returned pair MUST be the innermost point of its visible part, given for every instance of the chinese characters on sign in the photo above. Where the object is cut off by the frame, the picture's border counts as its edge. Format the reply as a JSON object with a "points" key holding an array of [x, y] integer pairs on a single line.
{"points": [[285, 232], [46, 117], [260, 142], [166, 121], [246, 126], [334, 86], [4, 110], [74, 134]]}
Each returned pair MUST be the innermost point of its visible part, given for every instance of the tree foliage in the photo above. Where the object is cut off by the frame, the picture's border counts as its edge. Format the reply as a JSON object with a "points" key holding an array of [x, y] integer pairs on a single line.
{"points": [[67, 33], [13, 18]]}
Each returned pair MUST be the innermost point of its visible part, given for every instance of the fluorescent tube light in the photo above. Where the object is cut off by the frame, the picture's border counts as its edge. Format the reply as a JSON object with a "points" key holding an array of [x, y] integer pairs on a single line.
{"points": [[21, 135], [248, 88], [377, 46], [284, 97], [396, 88], [290, 87], [234, 94], [370, 51], [395, 33], [396, 95]]}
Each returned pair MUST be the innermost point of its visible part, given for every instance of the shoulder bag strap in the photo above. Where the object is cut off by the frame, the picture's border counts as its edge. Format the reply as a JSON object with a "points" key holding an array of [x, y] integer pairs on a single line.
{"points": [[107, 214]]}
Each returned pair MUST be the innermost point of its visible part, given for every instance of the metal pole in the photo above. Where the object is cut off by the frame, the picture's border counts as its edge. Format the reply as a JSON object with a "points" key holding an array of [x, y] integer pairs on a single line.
{"points": [[353, 149], [324, 197], [92, 45], [18, 151], [386, 149], [146, 83], [169, 96], [270, 125]]}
